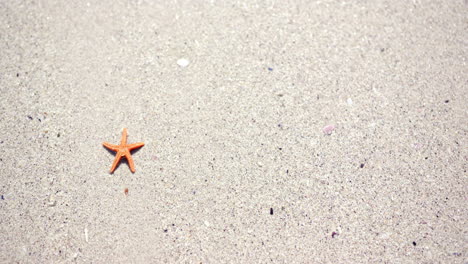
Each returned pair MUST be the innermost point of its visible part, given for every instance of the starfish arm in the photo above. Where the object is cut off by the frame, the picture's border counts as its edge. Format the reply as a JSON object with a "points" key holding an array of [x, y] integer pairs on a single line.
{"points": [[135, 145], [123, 141], [118, 156], [130, 161], [111, 146]]}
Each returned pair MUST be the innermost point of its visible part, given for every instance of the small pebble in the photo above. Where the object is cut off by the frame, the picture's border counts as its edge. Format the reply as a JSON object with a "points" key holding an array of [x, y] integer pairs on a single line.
{"points": [[385, 236], [327, 130], [86, 234], [52, 201], [183, 62], [349, 101]]}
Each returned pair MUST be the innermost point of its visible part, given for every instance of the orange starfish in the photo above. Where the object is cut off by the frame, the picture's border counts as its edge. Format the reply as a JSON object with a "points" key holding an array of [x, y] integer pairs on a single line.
{"points": [[123, 150]]}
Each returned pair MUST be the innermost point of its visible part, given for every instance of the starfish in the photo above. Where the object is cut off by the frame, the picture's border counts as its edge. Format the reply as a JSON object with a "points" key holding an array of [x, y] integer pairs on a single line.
{"points": [[122, 150]]}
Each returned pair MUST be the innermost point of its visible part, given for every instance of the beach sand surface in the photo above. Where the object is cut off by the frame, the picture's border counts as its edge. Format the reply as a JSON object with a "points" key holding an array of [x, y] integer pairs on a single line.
{"points": [[274, 131]]}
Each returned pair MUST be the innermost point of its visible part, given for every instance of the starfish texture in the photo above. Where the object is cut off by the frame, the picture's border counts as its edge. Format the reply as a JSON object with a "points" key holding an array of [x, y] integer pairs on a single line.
{"points": [[122, 150]]}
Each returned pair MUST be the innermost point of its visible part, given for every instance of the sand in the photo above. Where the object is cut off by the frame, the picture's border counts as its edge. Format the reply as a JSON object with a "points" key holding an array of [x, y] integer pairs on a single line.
{"points": [[275, 131]]}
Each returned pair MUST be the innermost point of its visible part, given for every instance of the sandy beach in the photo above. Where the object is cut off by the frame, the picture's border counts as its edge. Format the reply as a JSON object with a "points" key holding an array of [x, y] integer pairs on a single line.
{"points": [[274, 131]]}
